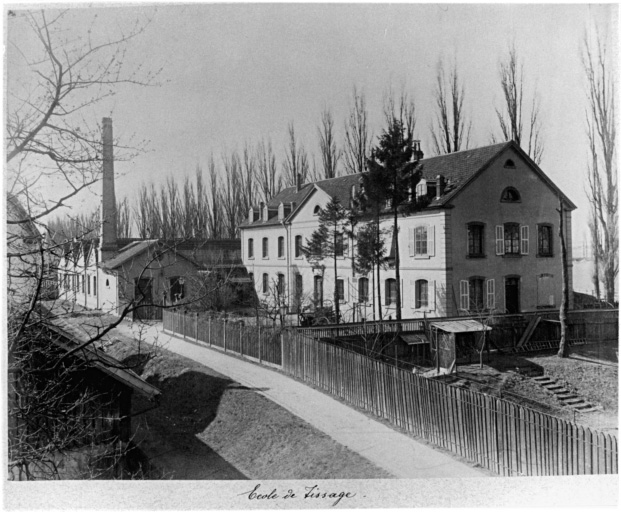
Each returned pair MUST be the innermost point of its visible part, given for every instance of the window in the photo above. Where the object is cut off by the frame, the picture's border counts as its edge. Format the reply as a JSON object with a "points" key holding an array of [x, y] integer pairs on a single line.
{"points": [[476, 293], [265, 249], [250, 248], [421, 188], [88, 285], [339, 246], [177, 289], [318, 291], [108, 283], [363, 289], [509, 164], [299, 285], [391, 291], [280, 289], [420, 240], [340, 290], [475, 240], [83, 284], [544, 240], [512, 238], [281, 211], [95, 286], [317, 210], [422, 293], [281, 246], [545, 291], [298, 246], [510, 195], [299, 290], [266, 284]]}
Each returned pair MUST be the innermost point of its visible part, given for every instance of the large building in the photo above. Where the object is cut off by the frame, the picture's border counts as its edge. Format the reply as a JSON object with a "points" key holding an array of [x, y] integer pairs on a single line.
{"points": [[487, 241]]}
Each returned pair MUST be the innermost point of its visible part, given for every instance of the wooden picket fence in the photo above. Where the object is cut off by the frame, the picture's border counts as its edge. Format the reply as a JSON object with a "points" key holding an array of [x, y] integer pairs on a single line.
{"points": [[258, 343], [506, 438]]}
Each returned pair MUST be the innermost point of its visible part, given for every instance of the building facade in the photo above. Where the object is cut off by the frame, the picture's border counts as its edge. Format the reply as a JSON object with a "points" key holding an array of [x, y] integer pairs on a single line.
{"points": [[486, 242]]}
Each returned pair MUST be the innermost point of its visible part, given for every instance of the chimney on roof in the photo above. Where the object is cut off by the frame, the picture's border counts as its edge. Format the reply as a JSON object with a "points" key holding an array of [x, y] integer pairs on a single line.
{"points": [[108, 198], [440, 185], [418, 154], [298, 182]]}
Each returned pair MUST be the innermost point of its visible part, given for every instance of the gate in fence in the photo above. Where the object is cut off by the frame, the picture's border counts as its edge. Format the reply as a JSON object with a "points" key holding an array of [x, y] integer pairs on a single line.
{"points": [[501, 436]]}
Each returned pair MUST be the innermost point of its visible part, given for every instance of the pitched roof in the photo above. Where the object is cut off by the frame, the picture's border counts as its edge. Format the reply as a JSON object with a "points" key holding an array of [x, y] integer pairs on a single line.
{"points": [[127, 253], [73, 337], [457, 169], [340, 187]]}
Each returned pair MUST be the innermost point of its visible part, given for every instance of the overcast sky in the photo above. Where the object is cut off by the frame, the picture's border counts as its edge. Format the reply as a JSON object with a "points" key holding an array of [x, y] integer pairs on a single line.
{"points": [[238, 73]]}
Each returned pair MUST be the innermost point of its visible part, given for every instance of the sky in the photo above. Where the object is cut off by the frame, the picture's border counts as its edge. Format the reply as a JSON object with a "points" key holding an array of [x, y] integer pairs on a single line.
{"points": [[236, 74]]}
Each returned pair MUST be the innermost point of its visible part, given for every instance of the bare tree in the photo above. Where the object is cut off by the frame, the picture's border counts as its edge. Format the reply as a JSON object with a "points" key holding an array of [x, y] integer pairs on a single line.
{"points": [[518, 118], [563, 350], [602, 172], [401, 110], [357, 135], [123, 219], [330, 154], [269, 180], [53, 154], [451, 131], [295, 166]]}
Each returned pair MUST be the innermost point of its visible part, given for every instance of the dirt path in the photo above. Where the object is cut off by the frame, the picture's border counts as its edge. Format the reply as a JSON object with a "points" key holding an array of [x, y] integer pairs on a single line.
{"points": [[392, 451]]}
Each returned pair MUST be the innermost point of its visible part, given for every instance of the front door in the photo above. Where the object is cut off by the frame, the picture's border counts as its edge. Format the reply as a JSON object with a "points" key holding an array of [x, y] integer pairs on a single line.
{"points": [[512, 294], [143, 291]]}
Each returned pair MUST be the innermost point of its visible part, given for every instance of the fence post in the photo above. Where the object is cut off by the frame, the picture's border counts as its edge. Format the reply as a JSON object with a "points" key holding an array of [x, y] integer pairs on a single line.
{"points": [[241, 341], [259, 325], [224, 329], [196, 330], [183, 324], [282, 350]]}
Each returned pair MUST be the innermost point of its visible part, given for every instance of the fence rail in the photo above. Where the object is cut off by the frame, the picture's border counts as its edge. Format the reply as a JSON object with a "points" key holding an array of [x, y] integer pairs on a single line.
{"points": [[259, 343], [583, 326], [501, 436]]}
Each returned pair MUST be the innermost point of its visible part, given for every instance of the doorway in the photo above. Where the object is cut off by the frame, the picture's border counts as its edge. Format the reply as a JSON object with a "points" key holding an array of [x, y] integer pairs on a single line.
{"points": [[512, 294]]}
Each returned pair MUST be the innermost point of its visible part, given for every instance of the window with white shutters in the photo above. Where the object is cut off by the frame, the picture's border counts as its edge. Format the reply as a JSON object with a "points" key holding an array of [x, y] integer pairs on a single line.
{"points": [[464, 295], [491, 294]]}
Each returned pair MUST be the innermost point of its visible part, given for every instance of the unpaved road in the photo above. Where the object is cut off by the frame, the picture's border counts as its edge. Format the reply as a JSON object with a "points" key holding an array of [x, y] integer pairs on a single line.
{"points": [[390, 450]]}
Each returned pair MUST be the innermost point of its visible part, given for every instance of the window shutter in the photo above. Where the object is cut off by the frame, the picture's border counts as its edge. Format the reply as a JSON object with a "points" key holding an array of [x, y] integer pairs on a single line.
{"points": [[413, 295], [386, 293], [431, 291], [431, 240], [464, 295], [411, 241], [500, 240], [491, 294], [524, 237]]}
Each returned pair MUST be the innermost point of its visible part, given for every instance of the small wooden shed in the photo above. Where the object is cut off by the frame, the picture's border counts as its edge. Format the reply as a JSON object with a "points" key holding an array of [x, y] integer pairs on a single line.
{"points": [[449, 336]]}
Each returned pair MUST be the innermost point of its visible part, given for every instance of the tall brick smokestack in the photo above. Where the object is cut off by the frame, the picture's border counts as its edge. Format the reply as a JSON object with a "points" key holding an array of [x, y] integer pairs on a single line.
{"points": [[108, 198]]}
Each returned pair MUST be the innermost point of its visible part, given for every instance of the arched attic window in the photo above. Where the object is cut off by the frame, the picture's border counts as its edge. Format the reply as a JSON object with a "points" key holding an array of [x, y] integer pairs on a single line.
{"points": [[317, 210], [509, 164], [281, 211], [510, 195]]}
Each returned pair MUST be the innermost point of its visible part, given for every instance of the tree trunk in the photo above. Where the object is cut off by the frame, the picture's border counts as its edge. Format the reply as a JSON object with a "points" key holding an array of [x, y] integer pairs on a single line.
{"points": [[395, 234], [336, 292], [563, 350]]}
